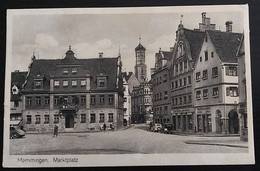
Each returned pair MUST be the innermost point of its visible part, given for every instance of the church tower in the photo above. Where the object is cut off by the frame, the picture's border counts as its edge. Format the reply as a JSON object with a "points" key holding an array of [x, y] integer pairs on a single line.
{"points": [[140, 67]]}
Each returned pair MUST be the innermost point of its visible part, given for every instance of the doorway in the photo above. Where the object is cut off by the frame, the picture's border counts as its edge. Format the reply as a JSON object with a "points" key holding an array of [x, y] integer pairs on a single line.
{"points": [[69, 121], [233, 122]]}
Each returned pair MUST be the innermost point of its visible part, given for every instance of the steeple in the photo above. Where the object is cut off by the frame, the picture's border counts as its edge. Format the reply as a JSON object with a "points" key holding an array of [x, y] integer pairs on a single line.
{"points": [[140, 66], [180, 25]]}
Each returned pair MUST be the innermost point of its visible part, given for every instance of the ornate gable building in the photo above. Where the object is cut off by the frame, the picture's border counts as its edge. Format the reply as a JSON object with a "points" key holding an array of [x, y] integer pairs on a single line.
{"points": [[75, 94]]}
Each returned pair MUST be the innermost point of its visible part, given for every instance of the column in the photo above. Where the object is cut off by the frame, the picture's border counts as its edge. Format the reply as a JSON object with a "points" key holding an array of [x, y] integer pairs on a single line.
{"points": [[187, 122], [51, 101], [182, 126], [51, 85]]}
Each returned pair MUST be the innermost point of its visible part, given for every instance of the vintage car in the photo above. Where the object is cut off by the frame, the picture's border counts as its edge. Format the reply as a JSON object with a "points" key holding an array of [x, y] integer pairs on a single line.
{"points": [[156, 127], [167, 129], [16, 130]]}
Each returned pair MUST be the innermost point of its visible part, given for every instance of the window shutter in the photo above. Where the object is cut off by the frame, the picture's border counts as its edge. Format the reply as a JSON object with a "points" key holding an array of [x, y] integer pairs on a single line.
{"points": [[227, 70], [227, 91]]}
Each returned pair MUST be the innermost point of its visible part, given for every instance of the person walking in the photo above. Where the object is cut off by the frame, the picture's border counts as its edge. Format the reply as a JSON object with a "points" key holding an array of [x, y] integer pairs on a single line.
{"points": [[55, 131], [112, 126], [104, 127]]}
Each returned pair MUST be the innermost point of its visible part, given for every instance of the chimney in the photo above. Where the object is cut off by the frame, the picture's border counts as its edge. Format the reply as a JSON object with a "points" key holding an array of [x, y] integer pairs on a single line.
{"points": [[203, 17], [229, 26], [100, 54]]}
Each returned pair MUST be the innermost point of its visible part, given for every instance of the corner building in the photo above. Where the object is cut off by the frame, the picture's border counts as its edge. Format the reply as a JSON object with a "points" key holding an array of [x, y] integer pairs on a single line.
{"points": [[75, 94], [216, 83]]}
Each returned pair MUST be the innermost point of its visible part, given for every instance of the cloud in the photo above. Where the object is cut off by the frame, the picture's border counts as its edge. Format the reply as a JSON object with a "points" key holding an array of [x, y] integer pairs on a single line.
{"points": [[45, 42]]}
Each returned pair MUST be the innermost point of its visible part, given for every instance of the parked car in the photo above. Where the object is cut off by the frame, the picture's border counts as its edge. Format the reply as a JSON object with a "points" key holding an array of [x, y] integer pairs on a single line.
{"points": [[156, 127], [16, 132], [167, 129]]}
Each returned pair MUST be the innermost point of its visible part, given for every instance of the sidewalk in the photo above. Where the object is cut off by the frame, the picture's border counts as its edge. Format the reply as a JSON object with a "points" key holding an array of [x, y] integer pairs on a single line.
{"points": [[220, 142]]}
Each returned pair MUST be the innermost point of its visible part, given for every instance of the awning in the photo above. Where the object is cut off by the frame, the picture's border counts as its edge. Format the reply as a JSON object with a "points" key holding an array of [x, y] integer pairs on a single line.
{"points": [[16, 122]]}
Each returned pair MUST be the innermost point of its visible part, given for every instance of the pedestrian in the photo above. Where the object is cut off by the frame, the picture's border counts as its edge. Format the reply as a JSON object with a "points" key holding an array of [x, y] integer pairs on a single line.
{"points": [[112, 126], [55, 131], [104, 127]]}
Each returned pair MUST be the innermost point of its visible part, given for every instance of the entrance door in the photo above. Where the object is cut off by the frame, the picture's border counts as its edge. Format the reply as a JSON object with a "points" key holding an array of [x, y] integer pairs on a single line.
{"points": [[233, 122], [69, 121]]}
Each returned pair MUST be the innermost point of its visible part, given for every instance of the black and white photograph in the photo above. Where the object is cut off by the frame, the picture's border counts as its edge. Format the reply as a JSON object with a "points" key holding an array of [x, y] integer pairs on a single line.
{"points": [[129, 86]]}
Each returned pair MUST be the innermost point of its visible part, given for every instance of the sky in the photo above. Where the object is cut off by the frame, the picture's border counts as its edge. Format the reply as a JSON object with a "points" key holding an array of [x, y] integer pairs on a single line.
{"points": [[49, 35]]}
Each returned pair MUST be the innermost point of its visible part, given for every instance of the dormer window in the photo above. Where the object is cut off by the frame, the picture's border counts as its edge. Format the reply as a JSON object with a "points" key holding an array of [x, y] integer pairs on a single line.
{"points": [[74, 71], [14, 89], [38, 84], [102, 82], [65, 71]]}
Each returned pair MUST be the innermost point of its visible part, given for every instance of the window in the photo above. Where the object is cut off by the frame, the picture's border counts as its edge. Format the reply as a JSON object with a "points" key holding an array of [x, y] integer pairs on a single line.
{"points": [[165, 110], [74, 83], [176, 68], [184, 99], [56, 119], [83, 100], [92, 118], [180, 66], [180, 100], [215, 92], [83, 83], [28, 101], [38, 119], [38, 100], [28, 119], [189, 99], [65, 71], [101, 117], [110, 117], [101, 99], [160, 96], [190, 123], [200, 59], [215, 72], [206, 55], [184, 81], [232, 91], [173, 102], [212, 54], [38, 84], [180, 82], [74, 71], [198, 94], [185, 64], [65, 83], [172, 85], [176, 84], [205, 74], [165, 95], [205, 93], [75, 100], [231, 71], [189, 80], [197, 76], [92, 99], [101, 83], [56, 83], [110, 99], [83, 118], [56, 100], [206, 38], [176, 101], [46, 100], [46, 119], [165, 78]]}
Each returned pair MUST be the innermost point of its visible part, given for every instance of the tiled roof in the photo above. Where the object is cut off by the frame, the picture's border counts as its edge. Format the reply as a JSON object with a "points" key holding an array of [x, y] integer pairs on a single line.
{"points": [[195, 39], [93, 66], [226, 44], [17, 79], [140, 47], [167, 54]]}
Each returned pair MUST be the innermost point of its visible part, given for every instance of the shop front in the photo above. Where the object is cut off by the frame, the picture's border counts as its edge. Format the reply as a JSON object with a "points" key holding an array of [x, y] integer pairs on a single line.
{"points": [[204, 120], [183, 119]]}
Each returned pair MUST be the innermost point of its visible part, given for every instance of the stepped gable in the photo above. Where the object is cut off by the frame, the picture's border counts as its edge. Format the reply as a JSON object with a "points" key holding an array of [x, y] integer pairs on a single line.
{"points": [[226, 44], [195, 39]]}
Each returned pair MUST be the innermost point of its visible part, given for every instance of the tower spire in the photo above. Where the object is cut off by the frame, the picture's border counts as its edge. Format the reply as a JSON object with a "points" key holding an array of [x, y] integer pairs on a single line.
{"points": [[139, 39], [181, 19]]}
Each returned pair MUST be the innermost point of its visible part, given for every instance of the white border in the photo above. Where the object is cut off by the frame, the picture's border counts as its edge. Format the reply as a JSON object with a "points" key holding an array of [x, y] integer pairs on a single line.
{"points": [[131, 159]]}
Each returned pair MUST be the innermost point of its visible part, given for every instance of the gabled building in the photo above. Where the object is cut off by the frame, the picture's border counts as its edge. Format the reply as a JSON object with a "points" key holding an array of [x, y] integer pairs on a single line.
{"points": [[17, 80], [186, 51], [75, 94], [216, 82], [161, 87]]}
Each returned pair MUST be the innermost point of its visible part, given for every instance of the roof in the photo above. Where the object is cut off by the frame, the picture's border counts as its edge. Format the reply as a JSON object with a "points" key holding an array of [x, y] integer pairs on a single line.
{"points": [[140, 47], [93, 66], [167, 54], [226, 44], [195, 39], [126, 76], [18, 78]]}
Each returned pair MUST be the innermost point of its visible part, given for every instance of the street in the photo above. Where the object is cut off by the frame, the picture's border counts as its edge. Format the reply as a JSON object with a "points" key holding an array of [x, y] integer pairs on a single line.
{"points": [[132, 140]]}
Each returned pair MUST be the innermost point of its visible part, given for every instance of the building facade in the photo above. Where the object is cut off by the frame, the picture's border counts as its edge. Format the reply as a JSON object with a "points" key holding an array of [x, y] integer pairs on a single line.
{"points": [[142, 94], [186, 51], [216, 83], [127, 99], [74, 94], [160, 88], [242, 104], [17, 80]]}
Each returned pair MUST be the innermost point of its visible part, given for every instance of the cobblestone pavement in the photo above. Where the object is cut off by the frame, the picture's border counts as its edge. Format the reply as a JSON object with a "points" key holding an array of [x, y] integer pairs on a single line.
{"points": [[133, 140]]}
